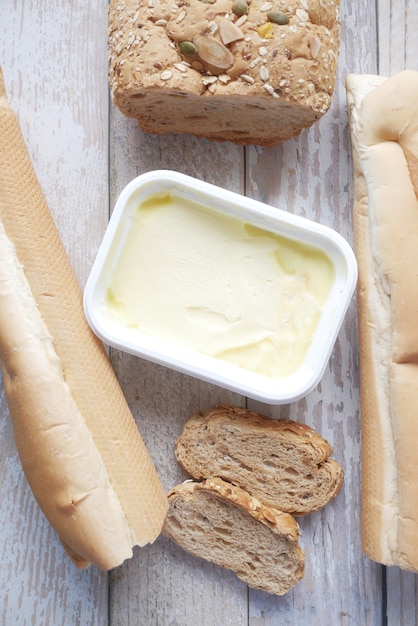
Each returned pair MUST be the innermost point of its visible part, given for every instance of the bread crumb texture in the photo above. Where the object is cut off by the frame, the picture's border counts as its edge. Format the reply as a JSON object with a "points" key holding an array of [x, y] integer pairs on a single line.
{"points": [[285, 464], [223, 524], [247, 71]]}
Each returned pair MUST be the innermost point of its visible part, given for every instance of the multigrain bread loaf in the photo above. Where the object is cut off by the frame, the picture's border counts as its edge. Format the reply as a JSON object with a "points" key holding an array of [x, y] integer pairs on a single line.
{"points": [[221, 523], [81, 451], [384, 134], [247, 71], [284, 464]]}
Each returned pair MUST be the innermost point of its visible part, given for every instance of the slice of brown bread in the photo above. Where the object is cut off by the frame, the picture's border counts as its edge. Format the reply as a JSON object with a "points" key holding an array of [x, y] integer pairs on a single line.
{"points": [[283, 463], [221, 523]]}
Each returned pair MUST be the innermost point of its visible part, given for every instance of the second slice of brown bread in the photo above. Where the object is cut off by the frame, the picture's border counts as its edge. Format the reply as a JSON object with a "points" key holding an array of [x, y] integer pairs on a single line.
{"points": [[221, 523]]}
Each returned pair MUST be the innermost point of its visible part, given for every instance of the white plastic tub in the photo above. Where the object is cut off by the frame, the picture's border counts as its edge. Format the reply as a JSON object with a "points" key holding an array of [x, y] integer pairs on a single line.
{"points": [[229, 209]]}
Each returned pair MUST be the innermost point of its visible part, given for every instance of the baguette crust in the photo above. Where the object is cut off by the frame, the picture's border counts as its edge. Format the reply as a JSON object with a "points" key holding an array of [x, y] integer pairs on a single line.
{"points": [[384, 132], [57, 442], [223, 524], [285, 464], [73, 428]]}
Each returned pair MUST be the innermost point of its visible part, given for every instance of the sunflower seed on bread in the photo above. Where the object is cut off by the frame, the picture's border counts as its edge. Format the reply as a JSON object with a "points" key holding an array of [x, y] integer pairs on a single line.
{"points": [[221, 69]]}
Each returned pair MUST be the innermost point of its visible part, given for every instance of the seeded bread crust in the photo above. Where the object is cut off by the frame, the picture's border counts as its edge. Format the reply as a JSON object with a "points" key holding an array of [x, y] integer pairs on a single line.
{"points": [[285, 464], [223, 524], [251, 72]]}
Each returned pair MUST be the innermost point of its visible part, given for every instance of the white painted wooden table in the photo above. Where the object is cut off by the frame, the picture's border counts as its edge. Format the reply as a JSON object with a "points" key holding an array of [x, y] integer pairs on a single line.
{"points": [[55, 66]]}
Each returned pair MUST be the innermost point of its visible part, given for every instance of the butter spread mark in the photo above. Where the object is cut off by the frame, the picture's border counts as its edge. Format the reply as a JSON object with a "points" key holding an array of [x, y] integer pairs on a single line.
{"points": [[210, 282]]}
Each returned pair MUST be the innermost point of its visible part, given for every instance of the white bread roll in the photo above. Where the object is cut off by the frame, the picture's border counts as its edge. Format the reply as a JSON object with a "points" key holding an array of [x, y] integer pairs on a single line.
{"points": [[78, 442], [384, 131]]}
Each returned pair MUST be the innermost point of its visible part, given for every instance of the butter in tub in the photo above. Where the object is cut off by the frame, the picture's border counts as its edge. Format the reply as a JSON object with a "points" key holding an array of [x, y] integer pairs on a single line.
{"points": [[220, 287]]}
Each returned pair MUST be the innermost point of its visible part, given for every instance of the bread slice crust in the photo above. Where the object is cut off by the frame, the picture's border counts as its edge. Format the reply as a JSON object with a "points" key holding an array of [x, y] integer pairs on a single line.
{"points": [[283, 463], [221, 523]]}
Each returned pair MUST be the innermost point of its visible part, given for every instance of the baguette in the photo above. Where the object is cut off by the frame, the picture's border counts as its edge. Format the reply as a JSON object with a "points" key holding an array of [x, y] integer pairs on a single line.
{"points": [[221, 523], [383, 116], [79, 446], [284, 464]]}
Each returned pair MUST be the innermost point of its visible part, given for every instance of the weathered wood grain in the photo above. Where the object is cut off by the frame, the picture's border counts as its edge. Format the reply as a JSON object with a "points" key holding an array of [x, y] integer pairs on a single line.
{"points": [[398, 37], [170, 586], [54, 64], [54, 61]]}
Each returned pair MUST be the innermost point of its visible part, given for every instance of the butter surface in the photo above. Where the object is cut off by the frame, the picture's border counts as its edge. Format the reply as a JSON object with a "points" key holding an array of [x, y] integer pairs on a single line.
{"points": [[210, 282]]}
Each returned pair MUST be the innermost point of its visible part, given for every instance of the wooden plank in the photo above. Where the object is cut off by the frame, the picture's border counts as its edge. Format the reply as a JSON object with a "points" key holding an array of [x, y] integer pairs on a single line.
{"points": [[54, 64], [162, 584], [398, 37], [312, 176], [402, 593]]}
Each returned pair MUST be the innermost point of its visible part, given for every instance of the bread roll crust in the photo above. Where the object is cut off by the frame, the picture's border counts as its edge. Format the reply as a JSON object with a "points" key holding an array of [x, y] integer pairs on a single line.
{"points": [[384, 131], [57, 450], [77, 440]]}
